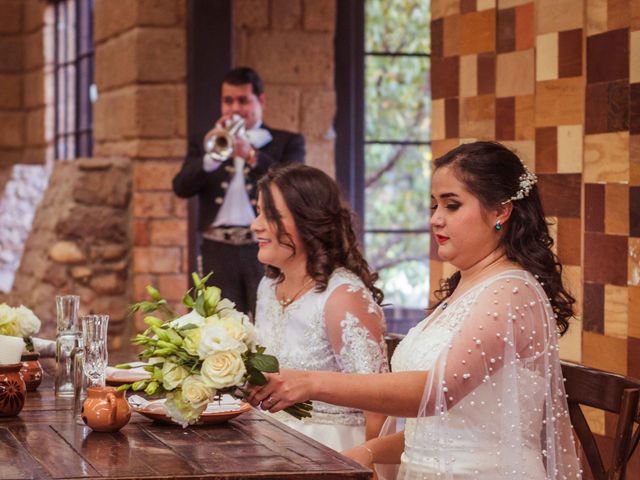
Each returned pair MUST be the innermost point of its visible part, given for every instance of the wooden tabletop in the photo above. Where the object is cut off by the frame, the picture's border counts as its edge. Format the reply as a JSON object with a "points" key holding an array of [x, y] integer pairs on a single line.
{"points": [[44, 442]]}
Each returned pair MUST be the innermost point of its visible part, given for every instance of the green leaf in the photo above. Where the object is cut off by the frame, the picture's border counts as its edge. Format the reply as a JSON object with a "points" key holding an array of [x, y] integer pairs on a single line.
{"points": [[187, 300], [264, 363], [200, 306], [257, 378]]}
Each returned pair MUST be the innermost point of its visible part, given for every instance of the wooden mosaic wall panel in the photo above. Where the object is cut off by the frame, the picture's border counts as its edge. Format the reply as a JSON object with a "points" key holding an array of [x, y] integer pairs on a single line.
{"points": [[559, 82]]}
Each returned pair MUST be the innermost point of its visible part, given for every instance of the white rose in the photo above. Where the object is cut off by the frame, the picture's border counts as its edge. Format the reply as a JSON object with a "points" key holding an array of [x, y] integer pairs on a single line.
{"points": [[192, 317], [214, 338], [173, 375], [8, 321], [196, 392], [191, 340], [225, 305], [223, 369], [28, 323], [239, 328], [211, 320]]}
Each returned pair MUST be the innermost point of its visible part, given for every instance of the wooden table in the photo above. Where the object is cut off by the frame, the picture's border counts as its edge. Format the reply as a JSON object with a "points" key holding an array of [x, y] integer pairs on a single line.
{"points": [[44, 442]]}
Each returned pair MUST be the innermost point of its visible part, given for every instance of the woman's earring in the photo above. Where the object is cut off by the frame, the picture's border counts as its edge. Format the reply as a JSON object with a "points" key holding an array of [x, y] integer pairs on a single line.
{"points": [[498, 227]]}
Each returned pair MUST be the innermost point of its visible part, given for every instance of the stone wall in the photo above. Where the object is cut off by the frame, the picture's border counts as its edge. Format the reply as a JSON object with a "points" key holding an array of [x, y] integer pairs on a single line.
{"points": [[290, 44], [558, 82], [80, 244]]}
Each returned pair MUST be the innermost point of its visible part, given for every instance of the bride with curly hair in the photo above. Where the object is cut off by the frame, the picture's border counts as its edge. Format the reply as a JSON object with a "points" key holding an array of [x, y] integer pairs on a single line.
{"points": [[318, 308]]}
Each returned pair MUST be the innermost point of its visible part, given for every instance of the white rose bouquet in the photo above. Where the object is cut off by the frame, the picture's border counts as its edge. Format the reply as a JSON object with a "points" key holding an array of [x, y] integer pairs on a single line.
{"points": [[19, 322], [193, 358]]}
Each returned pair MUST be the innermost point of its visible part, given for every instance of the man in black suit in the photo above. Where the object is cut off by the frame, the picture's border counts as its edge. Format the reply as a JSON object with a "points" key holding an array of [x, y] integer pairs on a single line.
{"points": [[227, 189]]}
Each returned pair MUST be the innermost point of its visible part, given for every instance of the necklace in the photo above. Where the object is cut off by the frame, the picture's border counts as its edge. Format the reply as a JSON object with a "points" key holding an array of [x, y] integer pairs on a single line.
{"points": [[286, 301]]}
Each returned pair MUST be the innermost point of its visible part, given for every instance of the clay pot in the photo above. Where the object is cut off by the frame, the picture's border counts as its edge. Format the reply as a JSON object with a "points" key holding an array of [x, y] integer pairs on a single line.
{"points": [[12, 390], [31, 370], [105, 409]]}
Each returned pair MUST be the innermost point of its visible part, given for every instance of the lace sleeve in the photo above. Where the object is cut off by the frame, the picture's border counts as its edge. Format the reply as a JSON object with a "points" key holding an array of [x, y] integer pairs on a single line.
{"points": [[498, 386], [355, 327]]}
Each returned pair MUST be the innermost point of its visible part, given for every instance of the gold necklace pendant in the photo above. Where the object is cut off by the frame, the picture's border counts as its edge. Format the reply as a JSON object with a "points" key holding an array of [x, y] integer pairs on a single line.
{"points": [[286, 301]]}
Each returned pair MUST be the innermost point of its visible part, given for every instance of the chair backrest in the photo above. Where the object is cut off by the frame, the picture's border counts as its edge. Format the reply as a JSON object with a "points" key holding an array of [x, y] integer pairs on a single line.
{"points": [[610, 392], [392, 340]]}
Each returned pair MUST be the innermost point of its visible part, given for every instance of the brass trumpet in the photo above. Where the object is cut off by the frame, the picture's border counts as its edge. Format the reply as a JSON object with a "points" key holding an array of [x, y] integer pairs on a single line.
{"points": [[218, 142]]}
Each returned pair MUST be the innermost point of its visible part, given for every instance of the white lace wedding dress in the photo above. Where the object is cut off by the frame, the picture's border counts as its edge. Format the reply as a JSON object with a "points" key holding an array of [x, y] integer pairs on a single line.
{"points": [[330, 331], [494, 406]]}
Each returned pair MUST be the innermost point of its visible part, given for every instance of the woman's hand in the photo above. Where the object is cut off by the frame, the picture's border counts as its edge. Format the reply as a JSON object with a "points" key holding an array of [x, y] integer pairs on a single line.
{"points": [[284, 389]]}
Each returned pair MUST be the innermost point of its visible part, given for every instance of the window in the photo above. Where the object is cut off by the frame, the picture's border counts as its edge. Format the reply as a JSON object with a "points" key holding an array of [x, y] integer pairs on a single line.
{"points": [[390, 131], [73, 73]]}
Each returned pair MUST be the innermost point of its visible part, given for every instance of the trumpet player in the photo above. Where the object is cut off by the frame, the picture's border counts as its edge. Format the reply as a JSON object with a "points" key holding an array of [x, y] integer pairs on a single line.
{"points": [[222, 169]]}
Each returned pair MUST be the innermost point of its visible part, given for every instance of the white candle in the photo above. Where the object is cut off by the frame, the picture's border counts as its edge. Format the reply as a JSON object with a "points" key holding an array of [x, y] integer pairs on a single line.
{"points": [[11, 349]]}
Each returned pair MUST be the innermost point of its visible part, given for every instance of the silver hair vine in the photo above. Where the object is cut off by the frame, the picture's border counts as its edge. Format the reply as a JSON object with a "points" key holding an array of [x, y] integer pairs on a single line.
{"points": [[526, 181]]}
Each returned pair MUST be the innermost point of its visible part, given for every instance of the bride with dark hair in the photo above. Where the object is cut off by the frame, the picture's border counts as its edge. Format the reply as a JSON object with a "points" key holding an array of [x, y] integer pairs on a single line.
{"points": [[318, 308], [479, 380]]}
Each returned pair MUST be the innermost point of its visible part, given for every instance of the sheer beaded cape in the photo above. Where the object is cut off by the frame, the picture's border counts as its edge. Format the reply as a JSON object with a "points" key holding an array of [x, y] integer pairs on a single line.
{"points": [[494, 405], [329, 331]]}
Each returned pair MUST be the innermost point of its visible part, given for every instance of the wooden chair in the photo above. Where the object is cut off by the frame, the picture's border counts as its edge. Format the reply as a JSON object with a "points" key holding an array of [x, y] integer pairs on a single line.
{"points": [[392, 340], [612, 393]]}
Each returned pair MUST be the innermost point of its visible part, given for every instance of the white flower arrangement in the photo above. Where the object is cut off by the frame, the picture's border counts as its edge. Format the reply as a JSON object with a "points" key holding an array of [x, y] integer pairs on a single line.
{"points": [[19, 322], [207, 352]]}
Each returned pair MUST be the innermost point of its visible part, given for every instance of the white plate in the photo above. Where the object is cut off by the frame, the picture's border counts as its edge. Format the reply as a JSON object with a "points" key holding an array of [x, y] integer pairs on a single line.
{"points": [[216, 412], [120, 376]]}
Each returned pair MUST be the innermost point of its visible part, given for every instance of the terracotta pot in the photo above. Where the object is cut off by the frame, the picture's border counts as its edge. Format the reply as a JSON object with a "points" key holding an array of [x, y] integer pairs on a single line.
{"points": [[105, 409], [12, 390], [31, 370]]}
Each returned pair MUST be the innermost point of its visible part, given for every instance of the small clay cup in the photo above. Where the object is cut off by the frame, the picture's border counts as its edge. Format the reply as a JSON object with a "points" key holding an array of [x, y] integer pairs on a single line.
{"points": [[12, 390], [31, 370], [105, 409]]}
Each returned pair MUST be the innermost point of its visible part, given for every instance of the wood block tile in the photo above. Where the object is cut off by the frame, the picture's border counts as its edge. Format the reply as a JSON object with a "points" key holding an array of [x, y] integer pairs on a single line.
{"points": [[634, 16], [633, 274], [546, 150], [634, 56], [555, 16], [605, 258], [512, 3], [608, 56], [594, 207], [524, 149], [440, 147], [506, 30], [547, 56], [593, 312], [634, 211], [444, 77], [618, 14], [570, 148], [467, 6], [596, 108], [595, 418], [486, 73], [616, 209], [634, 311], [525, 28], [478, 32], [515, 73], [560, 102], [618, 95], [606, 157], [451, 117], [571, 342], [605, 353], [570, 53], [634, 160], [633, 366], [443, 8], [569, 241], [616, 305], [634, 107], [451, 35], [437, 119], [477, 116], [505, 118], [437, 37], [572, 280], [560, 194], [596, 16], [485, 5], [468, 75], [525, 118]]}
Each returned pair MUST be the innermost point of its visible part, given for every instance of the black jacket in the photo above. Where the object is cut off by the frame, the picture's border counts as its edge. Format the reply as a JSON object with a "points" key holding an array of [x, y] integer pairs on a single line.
{"points": [[285, 147]]}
